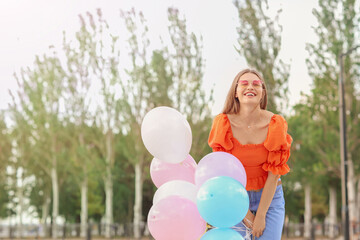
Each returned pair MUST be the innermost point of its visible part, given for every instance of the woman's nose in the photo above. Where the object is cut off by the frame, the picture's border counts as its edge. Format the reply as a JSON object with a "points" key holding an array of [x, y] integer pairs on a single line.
{"points": [[250, 86]]}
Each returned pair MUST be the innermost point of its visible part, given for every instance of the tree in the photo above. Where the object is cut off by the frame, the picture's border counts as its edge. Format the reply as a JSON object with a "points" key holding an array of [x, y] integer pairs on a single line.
{"points": [[308, 170], [173, 78], [336, 30], [21, 162], [316, 118], [260, 43], [102, 53], [79, 70], [39, 102]]}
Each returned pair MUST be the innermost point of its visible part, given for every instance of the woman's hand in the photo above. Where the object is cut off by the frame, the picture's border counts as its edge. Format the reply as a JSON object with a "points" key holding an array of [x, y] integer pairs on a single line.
{"points": [[249, 219], [259, 225]]}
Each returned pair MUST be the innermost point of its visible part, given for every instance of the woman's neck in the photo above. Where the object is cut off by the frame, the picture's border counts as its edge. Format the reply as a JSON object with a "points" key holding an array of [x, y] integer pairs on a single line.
{"points": [[248, 115], [247, 111]]}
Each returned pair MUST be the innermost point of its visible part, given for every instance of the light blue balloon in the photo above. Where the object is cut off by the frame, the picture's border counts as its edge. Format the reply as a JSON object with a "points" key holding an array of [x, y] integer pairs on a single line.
{"points": [[222, 234], [222, 201]]}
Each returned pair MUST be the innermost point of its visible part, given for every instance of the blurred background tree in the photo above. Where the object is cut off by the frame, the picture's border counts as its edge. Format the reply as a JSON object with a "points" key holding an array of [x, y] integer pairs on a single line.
{"points": [[316, 119], [259, 42], [66, 142]]}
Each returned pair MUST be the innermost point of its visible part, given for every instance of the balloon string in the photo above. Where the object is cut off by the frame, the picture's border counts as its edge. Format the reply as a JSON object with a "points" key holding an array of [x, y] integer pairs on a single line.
{"points": [[247, 230]]}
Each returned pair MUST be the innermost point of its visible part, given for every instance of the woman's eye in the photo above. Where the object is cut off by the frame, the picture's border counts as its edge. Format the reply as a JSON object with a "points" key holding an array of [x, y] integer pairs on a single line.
{"points": [[244, 83], [256, 83]]}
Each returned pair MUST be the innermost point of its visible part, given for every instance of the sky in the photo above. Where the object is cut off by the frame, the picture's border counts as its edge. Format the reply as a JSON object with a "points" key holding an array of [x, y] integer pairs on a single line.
{"points": [[29, 27]]}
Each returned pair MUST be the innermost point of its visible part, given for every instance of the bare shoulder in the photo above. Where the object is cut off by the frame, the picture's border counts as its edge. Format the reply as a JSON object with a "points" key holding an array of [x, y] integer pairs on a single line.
{"points": [[267, 115]]}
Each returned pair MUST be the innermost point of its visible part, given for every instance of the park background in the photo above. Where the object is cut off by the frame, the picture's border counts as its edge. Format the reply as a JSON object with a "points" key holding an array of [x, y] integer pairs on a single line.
{"points": [[78, 77]]}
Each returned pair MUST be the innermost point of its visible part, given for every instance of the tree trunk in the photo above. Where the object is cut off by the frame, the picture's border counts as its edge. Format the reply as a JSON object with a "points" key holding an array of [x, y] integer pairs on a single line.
{"points": [[108, 184], [307, 216], [21, 203], [45, 214], [358, 200], [138, 200], [55, 190], [84, 191], [108, 204], [84, 206], [332, 212]]}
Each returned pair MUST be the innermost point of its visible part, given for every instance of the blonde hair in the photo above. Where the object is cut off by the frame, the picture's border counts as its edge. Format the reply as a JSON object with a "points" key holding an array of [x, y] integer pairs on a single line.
{"points": [[232, 104]]}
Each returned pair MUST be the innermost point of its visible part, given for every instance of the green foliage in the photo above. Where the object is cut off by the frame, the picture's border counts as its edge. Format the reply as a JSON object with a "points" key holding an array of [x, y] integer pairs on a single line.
{"points": [[5, 153], [4, 200], [70, 200], [6, 147], [294, 199], [315, 124], [336, 35], [124, 192], [40, 192]]}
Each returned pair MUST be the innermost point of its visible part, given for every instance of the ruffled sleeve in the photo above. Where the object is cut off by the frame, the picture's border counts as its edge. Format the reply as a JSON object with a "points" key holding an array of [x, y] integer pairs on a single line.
{"points": [[220, 134], [278, 144]]}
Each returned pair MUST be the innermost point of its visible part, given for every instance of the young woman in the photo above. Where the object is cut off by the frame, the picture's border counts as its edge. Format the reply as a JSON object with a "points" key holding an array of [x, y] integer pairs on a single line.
{"points": [[259, 139]]}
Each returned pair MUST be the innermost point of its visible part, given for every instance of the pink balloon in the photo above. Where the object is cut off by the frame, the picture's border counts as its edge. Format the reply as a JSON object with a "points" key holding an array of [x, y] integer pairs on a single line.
{"points": [[175, 218], [219, 164], [162, 172]]}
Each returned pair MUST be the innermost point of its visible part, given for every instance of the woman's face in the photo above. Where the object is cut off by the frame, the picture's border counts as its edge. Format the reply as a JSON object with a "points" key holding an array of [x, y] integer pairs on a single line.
{"points": [[249, 89]]}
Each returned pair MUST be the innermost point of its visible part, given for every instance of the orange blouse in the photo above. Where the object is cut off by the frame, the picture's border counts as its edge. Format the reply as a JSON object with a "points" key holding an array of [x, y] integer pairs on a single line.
{"points": [[257, 159]]}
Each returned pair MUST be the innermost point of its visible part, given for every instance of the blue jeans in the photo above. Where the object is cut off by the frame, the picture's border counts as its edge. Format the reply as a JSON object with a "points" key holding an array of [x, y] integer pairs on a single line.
{"points": [[274, 216]]}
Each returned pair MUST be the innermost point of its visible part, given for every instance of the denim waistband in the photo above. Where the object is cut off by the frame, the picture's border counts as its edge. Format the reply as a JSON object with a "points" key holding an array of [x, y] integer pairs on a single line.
{"points": [[278, 199]]}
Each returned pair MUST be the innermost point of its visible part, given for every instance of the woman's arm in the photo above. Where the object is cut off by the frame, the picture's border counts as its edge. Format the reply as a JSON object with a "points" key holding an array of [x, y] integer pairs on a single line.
{"points": [[265, 201]]}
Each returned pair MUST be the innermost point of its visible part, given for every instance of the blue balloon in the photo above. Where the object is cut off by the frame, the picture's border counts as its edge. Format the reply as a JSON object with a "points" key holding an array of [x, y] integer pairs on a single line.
{"points": [[222, 201], [222, 234]]}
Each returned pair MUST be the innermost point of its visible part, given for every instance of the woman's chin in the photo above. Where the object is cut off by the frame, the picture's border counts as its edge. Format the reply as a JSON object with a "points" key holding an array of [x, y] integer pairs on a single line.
{"points": [[249, 102]]}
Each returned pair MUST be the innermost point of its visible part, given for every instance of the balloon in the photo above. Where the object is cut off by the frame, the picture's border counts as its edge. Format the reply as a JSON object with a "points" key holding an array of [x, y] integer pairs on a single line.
{"points": [[221, 234], [178, 188], [222, 201], [162, 172], [166, 134], [219, 164], [175, 218]]}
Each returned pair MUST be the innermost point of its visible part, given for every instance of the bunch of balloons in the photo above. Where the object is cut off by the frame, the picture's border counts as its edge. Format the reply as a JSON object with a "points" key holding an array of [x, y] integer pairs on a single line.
{"points": [[167, 136], [222, 199], [191, 195]]}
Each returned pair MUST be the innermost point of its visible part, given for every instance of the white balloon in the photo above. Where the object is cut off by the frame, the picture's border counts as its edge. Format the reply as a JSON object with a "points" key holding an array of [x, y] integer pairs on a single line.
{"points": [[166, 134], [176, 187]]}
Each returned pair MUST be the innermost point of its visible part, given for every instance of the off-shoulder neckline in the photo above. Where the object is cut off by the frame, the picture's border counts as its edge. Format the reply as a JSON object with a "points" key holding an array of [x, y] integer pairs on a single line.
{"points": [[250, 145]]}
